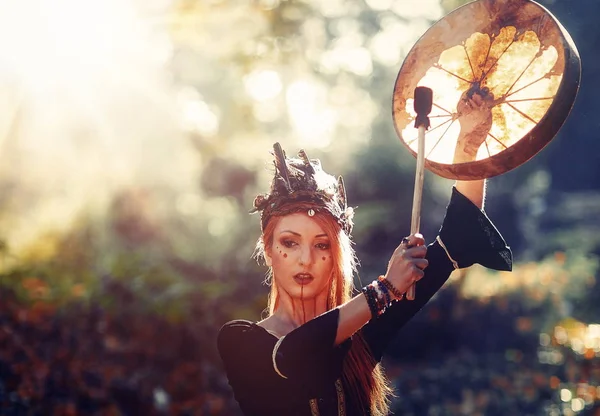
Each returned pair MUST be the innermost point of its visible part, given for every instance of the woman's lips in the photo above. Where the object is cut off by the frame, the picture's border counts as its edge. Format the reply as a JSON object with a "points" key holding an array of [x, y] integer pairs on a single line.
{"points": [[303, 279]]}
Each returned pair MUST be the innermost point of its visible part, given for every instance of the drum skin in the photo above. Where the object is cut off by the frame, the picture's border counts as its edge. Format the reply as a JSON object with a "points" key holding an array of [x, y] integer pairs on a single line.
{"points": [[493, 34]]}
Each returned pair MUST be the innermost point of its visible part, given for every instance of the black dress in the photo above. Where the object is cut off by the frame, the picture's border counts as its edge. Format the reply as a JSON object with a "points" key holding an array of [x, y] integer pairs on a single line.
{"points": [[307, 355]]}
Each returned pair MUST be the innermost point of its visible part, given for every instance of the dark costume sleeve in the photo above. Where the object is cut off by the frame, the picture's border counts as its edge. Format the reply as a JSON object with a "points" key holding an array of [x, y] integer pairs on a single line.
{"points": [[470, 237], [306, 359]]}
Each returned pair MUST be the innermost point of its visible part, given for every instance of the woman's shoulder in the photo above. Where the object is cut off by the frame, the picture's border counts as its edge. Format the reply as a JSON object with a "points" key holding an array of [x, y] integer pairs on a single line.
{"points": [[238, 325], [239, 340], [240, 331], [236, 328]]}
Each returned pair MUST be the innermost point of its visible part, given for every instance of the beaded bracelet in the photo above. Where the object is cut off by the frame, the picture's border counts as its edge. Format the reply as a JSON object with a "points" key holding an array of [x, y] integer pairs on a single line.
{"points": [[378, 297], [386, 283], [386, 293], [371, 296], [381, 303]]}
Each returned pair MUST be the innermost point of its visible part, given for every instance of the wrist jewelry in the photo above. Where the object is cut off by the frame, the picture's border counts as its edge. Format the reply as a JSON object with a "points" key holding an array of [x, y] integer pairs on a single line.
{"points": [[378, 297], [386, 283], [386, 293], [371, 300]]}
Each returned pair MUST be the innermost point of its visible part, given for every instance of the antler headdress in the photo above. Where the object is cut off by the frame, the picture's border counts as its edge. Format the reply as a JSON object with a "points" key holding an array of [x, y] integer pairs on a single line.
{"points": [[301, 183]]}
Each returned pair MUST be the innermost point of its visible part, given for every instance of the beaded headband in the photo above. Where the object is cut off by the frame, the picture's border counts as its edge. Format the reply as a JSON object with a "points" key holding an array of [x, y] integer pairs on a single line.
{"points": [[302, 185]]}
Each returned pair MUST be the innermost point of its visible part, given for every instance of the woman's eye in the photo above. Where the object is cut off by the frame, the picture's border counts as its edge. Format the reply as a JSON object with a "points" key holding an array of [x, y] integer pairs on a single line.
{"points": [[323, 246], [288, 243]]}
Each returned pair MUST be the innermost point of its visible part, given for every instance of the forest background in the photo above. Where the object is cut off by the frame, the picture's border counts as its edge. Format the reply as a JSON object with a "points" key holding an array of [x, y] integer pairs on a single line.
{"points": [[133, 139]]}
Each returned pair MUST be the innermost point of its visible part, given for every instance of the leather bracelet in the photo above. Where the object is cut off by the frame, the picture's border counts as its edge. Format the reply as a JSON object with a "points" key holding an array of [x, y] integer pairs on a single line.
{"points": [[390, 287], [385, 291]]}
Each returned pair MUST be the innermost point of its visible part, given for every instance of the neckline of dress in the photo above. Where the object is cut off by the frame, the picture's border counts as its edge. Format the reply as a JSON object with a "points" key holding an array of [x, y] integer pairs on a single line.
{"points": [[267, 331]]}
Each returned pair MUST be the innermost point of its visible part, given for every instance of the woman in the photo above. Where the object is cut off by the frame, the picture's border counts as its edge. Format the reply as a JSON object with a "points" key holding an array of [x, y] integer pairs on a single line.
{"points": [[318, 351]]}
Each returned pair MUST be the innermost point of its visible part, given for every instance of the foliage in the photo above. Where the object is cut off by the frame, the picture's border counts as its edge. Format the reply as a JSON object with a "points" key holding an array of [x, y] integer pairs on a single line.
{"points": [[129, 190]]}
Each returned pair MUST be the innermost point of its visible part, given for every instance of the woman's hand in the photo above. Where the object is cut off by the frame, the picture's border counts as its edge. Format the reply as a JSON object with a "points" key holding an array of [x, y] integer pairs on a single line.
{"points": [[404, 269], [407, 263], [475, 123], [475, 118]]}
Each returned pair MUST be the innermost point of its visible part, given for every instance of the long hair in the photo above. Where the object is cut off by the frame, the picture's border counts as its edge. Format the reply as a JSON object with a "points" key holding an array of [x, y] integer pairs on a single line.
{"points": [[362, 376]]}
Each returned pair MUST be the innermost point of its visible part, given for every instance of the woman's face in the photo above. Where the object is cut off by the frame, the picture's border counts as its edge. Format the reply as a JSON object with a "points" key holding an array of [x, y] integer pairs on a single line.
{"points": [[300, 256]]}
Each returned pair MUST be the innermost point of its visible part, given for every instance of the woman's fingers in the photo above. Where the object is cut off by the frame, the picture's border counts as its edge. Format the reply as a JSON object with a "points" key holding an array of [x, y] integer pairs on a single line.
{"points": [[408, 262], [411, 241], [414, 252], [421, 263], [416, 240], [416, 274]]}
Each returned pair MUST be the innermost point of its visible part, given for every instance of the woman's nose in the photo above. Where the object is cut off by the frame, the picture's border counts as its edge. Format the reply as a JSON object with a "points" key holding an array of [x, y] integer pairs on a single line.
{"points": [[306, 256]]}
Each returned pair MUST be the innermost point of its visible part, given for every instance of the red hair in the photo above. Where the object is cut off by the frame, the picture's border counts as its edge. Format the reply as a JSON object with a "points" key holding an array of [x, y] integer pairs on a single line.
{"points": [[362, 376]]}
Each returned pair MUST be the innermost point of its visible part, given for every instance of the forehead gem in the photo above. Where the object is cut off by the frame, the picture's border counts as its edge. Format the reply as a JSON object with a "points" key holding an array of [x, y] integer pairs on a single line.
{"points": [[311, 212]]}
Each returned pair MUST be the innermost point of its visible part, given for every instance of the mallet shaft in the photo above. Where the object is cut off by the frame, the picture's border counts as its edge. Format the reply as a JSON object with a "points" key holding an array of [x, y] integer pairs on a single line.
{"points": [[415, 222]]}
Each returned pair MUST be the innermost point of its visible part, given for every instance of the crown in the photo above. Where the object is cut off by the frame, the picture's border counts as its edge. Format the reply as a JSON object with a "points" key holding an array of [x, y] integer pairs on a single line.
{"points": [[301, 184]]}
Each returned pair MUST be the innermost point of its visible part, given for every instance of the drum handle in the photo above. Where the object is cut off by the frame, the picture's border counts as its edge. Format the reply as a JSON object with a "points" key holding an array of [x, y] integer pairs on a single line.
{"points": [[422, 105]]}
